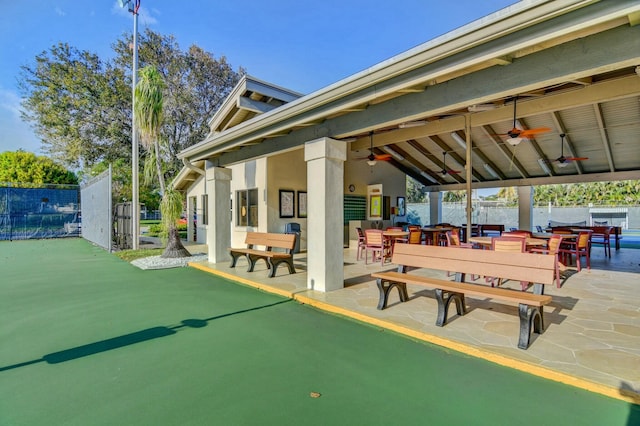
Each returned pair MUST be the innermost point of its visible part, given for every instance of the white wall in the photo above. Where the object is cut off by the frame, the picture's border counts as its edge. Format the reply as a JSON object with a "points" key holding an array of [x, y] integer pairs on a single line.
{"points": [[249, 175], [196, 190], [289, 171], [358, 173], [286, 171]]}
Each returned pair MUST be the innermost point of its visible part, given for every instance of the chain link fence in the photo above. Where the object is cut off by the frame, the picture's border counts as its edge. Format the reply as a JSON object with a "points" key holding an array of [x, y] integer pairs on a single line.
{"points": [[46, 211]]}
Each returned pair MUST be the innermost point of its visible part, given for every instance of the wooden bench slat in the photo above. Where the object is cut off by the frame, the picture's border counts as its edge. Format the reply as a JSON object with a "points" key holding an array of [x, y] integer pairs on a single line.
{"points": [[513, 266], [283, 253], [473, 289], [525, 267]]}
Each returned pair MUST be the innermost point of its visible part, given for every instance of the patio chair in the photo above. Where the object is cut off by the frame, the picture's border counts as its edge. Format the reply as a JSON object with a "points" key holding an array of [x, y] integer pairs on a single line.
{"points": [[415, 236], [553, 248], [377, 245], [361, 242], [453, 240], [601, 236], [514, 244], [518, 232], [580, 247]]}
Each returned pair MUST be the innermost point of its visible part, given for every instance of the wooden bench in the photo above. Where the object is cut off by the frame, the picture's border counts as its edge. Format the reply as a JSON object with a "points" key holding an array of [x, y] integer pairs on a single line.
{"points": [[537, 268], [269, 241]]}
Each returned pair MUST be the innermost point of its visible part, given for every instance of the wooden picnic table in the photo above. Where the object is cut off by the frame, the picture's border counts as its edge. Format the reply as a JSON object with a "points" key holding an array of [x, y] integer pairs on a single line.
{"points": [[393, 236], [435, 232]]}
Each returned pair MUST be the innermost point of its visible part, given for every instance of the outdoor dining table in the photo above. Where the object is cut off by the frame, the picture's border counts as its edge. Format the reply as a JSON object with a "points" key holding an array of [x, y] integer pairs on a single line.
{"points": [[435, 232], [486, 241], [392, 236], [548, 235]]}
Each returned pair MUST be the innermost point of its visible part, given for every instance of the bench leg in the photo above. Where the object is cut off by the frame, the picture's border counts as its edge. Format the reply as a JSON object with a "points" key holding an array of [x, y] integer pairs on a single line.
{"points": [[252, 258], [385, 287], [234, 258], [529, 316], [444, 299], [274, 265]]}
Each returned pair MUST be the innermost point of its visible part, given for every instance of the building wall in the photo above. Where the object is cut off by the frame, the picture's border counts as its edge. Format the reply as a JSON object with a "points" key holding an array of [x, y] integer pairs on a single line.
{"points": [[286, 171], [196, 190], [289, 171]]}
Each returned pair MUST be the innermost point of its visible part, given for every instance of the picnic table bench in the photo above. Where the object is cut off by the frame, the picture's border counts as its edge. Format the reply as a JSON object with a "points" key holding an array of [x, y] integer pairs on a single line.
{"points": [[253, 240], [537, 268]]}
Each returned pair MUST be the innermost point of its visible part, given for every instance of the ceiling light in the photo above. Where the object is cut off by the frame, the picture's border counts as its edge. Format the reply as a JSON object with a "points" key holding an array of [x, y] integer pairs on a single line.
{"points": [[371, 162], [456, 137], [393, 153], [563, 164], [408, 124], [514, 141], [544, 166], [490, 170]]}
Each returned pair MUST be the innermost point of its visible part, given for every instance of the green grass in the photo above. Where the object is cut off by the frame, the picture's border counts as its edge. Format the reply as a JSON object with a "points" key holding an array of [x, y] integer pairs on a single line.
{"points": [[129, 255]]}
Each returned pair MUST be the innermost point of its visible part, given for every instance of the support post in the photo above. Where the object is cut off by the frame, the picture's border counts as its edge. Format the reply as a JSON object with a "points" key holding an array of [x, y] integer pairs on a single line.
{"points": [[219, 228], [325, 219]]}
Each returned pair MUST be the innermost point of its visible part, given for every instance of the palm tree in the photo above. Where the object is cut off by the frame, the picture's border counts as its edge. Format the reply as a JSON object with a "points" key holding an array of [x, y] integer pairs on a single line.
{"points": [[148, 117]]}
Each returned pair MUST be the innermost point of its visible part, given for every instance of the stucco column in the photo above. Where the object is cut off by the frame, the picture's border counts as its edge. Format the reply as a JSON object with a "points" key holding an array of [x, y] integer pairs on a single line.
{"points": [[325, 218], [525, 207], [435, 208], [219, 227]]}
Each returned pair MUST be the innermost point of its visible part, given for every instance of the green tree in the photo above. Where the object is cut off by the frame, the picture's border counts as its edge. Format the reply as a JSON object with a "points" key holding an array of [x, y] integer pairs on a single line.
{"points": [[617, 193], [22, 168], [80, 105], [149, 115], [414, 191]]}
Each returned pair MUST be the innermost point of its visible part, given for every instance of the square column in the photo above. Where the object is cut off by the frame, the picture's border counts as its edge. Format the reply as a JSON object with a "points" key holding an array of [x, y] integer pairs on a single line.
{"points": [[435, 208], [525, 207], [325, 217], [219, 228]]}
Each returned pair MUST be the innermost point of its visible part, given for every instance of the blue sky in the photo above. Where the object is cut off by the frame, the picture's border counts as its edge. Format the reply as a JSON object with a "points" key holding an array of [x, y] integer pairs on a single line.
{"points": [[297, 44]]}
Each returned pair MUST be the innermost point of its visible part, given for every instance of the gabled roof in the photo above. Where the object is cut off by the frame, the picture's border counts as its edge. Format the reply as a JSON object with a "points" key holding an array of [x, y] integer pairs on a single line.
{"points": [[573, 65], [249, 98]]}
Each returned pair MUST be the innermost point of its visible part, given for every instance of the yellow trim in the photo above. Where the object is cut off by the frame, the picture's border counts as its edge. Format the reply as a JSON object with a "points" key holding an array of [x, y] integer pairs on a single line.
{"points": [[627, 396]]}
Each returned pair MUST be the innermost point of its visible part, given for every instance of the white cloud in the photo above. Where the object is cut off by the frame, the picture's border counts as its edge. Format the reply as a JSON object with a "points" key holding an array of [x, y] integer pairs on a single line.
{"points": [[60, 12], [15, 133], [9, 103]]}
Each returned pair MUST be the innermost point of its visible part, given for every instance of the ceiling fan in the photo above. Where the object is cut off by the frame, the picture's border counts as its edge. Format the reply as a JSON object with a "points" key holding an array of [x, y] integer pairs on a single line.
{"points": [[517, 135], [564, 161], [372, 158], [444, 170]]}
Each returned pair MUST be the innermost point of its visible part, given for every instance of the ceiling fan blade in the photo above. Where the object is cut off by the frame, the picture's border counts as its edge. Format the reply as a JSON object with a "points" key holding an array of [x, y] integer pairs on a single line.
{"points": [[382, 157], [532, 132], [576, 158]]}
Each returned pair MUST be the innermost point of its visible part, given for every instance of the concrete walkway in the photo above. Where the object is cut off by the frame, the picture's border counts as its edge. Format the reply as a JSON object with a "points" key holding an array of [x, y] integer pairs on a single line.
{"points": [[592, 336]]}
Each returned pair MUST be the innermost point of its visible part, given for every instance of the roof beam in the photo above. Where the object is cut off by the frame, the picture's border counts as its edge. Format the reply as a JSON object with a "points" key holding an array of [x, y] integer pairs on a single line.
{"points": [[587, 95], [252, 105], [606, 144], [567, 139]]}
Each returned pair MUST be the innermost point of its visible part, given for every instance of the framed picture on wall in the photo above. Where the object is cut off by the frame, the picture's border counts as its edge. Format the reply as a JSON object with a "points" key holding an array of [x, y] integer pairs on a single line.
{"points": [[302, 204], [401, 206], [375, 206], [287, 203]]}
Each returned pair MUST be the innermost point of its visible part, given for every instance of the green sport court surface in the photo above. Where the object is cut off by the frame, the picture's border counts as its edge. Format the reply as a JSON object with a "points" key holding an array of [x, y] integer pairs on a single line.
{"points": [[88, 339]]}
